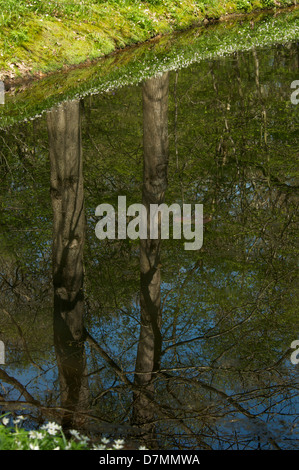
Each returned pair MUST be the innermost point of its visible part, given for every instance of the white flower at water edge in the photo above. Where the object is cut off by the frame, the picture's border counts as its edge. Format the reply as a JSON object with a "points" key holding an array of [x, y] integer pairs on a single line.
{"points": [[119, 442], [84, 440], [99, 447], [104, 440], [5, 421], [18, 419], [75, 433], [117, 446], [35, 435], [33, 447], [52, 428]]}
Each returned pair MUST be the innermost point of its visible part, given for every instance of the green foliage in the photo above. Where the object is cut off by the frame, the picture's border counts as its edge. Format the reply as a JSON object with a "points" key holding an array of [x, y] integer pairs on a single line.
{"points": [[49, 437], [244, 5], [268, 3], [45, 35], [140, 63], [18, 37]]}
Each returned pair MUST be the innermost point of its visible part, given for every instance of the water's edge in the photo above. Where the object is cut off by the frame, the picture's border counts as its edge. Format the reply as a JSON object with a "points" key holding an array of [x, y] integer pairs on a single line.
{"points": [[172, 52]]}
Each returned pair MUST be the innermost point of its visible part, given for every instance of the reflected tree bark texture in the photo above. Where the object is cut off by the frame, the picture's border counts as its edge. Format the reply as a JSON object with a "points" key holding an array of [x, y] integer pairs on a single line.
{"points": [[155, 142], [67, 196]]}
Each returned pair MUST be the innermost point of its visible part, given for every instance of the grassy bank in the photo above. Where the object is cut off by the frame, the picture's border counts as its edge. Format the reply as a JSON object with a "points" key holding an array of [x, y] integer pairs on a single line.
{"points": [[25, 101], [40, 36]]}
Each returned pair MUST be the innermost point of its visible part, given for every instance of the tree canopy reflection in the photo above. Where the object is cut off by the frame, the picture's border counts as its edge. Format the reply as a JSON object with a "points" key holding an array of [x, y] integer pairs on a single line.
{"points": [[215, 370]]}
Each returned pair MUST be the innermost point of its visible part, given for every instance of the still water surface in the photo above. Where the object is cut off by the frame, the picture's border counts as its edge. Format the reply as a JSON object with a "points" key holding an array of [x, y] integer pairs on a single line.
{"points": [[172, 348]]}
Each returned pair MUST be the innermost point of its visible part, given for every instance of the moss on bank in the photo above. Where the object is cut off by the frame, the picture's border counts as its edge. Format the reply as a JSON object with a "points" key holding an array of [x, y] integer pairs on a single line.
{"points": [[39, 36], [170, 52]]}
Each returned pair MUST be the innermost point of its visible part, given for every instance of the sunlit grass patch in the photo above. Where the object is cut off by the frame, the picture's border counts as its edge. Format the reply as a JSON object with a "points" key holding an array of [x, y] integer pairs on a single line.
{"points": [[46, 35], [50, 436]]}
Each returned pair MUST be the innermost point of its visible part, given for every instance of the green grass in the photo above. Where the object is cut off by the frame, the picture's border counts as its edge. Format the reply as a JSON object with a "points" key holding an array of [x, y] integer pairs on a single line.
{"points": [[38, 36], [50, 436], [170, 52]]}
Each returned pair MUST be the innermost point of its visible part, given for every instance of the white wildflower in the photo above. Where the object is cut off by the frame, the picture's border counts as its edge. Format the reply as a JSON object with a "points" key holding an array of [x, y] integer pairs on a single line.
{"points": [[52, 428], [5, 421], [19, 419], [35, 435], [99, 447], [117, 446], [75, 433], [84, 440], [119, 442], [104, 440], [33, 447]]}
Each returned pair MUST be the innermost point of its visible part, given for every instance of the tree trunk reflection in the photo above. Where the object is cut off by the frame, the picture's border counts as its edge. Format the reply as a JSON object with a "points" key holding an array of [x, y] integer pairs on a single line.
{"points": [[67, 198], [155, 142]]}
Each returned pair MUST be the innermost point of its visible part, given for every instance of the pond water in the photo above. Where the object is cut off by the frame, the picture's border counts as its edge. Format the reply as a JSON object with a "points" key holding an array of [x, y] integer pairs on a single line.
{"points": [[168, 347]]}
